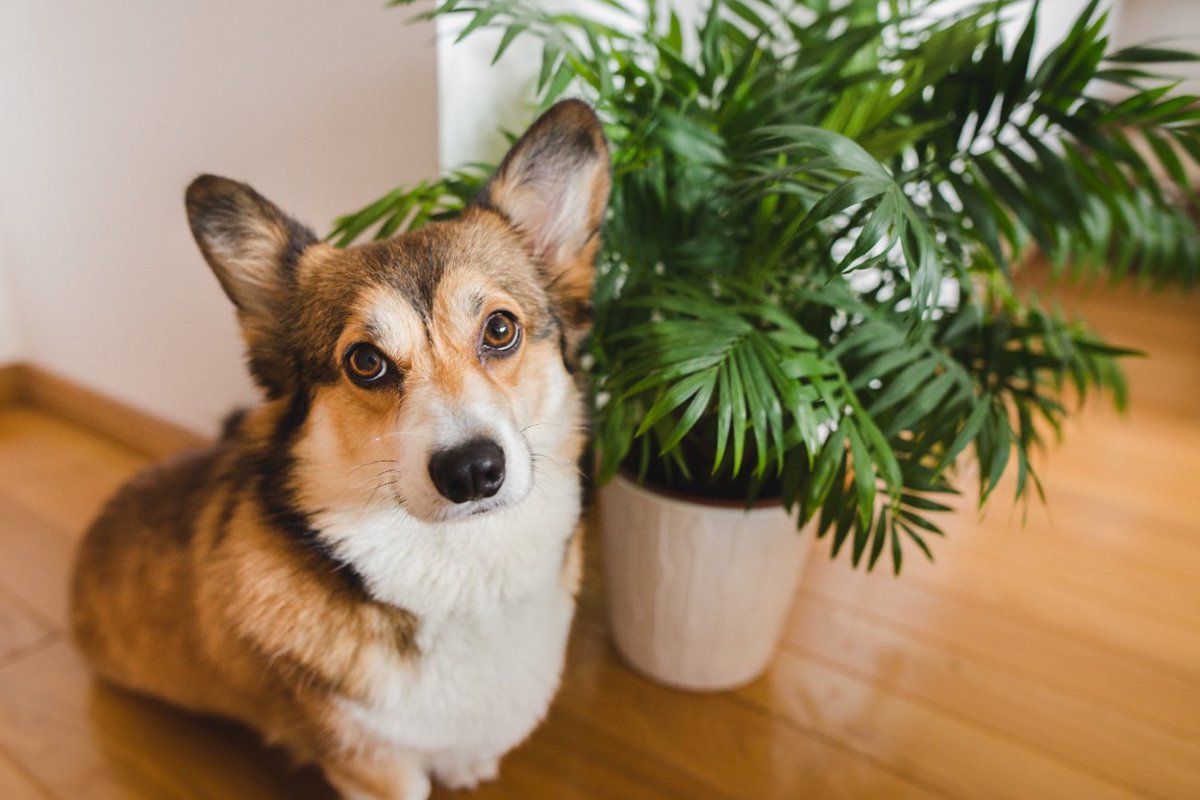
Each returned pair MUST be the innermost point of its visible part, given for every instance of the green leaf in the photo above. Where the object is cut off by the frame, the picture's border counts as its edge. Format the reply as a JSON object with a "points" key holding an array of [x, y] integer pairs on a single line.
{"points": [[1152, 55], [884, 455], [724, 419], [879, 539], [760, 402], [858, 189], [897, 550], [737, 396], [923, 503], [552, 58], [864, 475], [746, 13], [913, 518], [1002, 437], [674, 397], [510, 35], [967, 433], [1016, 89], [691, 415], [837, 148], [1018, 199], [917, 540], [905, 384], [1169, 159], [885, 219], [559, 83], [924, 403], [823, 472]]}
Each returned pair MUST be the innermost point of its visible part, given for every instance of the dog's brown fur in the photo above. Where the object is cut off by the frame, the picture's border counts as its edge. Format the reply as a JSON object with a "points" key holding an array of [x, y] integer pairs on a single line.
{"points": [[202, 582]]}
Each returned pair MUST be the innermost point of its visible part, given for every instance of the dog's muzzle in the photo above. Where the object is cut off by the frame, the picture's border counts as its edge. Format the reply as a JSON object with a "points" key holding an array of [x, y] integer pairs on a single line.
{"points": [[473, 470]]}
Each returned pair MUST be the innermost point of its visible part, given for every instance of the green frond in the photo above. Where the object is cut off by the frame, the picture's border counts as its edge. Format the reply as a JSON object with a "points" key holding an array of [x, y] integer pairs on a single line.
{"points": [[796, 186]]}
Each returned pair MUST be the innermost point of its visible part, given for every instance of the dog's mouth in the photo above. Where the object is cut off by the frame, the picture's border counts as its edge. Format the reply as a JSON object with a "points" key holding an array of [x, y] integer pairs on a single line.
{"points": [[479, 509], [433, 507], [449, 512]]}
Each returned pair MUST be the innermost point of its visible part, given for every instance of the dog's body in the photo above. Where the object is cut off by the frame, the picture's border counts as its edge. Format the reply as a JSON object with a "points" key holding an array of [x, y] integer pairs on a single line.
{"points": [[376, 567]]}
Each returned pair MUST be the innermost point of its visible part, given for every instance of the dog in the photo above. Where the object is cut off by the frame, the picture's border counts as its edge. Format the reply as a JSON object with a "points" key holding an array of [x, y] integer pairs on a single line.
{"points": [[375, 567]]}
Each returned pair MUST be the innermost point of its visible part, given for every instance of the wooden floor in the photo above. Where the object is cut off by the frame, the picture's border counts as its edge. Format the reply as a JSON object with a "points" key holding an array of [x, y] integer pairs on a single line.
{"points": [[1056, 660]]}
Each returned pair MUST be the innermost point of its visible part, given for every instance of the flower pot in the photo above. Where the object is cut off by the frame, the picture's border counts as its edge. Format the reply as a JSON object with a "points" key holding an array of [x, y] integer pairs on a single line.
{"points": [[698, 592]]}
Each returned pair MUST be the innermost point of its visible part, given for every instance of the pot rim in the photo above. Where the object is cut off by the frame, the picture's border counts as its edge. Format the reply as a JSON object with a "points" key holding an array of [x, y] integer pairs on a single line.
{"points": [[684, 498]]}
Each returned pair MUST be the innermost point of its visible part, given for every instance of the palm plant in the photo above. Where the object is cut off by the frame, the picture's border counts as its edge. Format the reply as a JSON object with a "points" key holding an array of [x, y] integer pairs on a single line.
{"points": [[806, 287]]}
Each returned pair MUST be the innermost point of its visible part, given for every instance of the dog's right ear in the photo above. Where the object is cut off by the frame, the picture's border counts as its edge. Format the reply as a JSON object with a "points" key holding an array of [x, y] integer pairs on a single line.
{"points": [[253, 248]]}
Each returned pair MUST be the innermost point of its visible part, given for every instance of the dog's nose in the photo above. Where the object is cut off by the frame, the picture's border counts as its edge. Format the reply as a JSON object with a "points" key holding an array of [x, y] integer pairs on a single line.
{"points": [[470, 471]]}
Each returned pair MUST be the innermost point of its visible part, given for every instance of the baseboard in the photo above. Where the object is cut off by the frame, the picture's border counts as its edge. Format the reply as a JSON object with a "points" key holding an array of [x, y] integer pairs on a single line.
{"points": [[12, 382], [28, 384]]}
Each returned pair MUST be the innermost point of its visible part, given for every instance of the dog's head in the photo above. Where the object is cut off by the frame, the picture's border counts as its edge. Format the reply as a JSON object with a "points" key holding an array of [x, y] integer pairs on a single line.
{"points": [[432, 371]]}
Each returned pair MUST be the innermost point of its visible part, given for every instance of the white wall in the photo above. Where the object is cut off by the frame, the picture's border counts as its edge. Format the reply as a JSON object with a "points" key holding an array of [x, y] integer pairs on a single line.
{"points": [[477, 101], [1170, 23], [109, 109], [12, 340]]}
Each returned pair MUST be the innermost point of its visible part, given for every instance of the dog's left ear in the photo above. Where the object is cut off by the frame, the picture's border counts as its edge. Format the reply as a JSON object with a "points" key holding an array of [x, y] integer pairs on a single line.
{"points": [[553, 187]]}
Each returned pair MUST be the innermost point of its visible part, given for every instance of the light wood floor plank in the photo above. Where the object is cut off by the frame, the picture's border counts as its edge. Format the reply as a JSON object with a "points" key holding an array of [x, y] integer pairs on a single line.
{"points": [[743, 752], [568, 758], [37, 561], [83, 739], [1089, 734], [16, 785], [1046, 601], [989, 635], [932, 747], [1149, 540], [1069, 554], [20, 628], [63, 471]]}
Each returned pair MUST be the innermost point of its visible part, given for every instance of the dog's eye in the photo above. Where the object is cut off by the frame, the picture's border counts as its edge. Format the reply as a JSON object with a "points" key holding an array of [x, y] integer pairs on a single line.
{"points": [[501, 332], [365, 364]]}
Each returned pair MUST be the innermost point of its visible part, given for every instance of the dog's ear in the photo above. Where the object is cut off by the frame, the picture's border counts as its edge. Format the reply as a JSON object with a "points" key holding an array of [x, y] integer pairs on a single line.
{"points": [[253, 248], [553, 187]]}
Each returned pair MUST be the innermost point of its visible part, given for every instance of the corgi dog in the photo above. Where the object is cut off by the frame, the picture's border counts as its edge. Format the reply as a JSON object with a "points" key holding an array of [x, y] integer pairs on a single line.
{"points": [[376, 566]]}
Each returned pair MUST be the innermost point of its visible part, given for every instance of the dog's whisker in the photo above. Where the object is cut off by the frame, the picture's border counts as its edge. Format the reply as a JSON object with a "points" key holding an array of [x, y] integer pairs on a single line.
{"points": [[355, 488], [562, 463], [555, 425], [374, 492]]}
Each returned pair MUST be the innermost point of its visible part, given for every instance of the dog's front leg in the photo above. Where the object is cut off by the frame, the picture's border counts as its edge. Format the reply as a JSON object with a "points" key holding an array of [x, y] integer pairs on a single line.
{"points": [[464, 771], [378, 776]]}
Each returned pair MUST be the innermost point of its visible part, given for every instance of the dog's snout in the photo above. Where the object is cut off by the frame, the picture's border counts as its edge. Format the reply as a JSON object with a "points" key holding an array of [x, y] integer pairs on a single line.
{"points": [[470, 471]]}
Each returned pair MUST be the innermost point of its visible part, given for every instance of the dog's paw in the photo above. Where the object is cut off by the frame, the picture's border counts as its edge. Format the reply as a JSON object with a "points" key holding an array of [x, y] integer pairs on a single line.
{"points": [[465, 773], [400, 779], [416, 787]]}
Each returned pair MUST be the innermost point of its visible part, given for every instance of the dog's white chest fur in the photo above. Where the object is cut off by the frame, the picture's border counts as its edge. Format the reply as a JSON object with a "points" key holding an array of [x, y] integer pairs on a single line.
{"points": [[483, 680], [493, 617]]}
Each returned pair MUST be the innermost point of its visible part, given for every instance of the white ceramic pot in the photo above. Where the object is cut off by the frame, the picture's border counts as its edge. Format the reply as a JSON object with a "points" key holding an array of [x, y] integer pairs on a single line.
{"points": [[697, 593]]}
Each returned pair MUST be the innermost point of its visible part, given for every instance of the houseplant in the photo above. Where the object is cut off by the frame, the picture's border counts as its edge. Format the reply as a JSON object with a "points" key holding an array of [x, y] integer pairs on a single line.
{"points": [[806, 289]]}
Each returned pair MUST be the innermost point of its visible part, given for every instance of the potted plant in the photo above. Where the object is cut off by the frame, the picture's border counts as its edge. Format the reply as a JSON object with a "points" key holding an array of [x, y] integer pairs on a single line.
{"points": [[805, 297]]}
